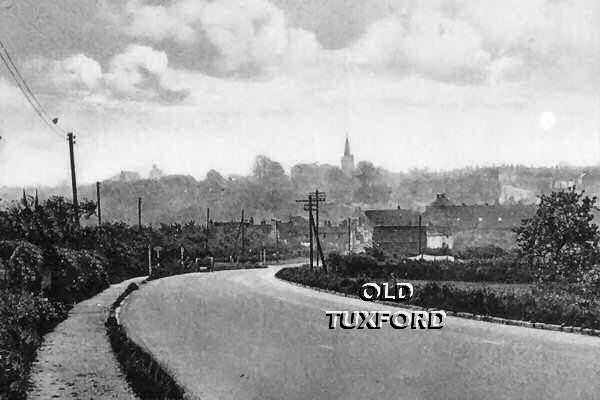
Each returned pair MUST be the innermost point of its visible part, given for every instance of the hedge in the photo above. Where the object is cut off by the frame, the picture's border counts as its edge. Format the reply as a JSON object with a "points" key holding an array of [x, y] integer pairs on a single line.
{"points": [[28, 310], [501, 270], [76, 275], [24, 319], [526, 304]]}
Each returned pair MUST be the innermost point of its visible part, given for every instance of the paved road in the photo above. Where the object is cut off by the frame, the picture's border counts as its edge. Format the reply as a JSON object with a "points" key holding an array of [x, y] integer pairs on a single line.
{"points": [[246, 335]]}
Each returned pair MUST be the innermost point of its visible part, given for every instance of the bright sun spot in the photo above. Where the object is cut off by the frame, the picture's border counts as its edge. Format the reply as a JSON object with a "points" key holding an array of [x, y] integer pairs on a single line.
{"points": [[547, 120]]}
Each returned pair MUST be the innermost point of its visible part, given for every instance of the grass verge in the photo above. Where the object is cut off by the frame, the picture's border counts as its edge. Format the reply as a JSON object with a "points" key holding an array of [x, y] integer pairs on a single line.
{"points": [[144, 374]]}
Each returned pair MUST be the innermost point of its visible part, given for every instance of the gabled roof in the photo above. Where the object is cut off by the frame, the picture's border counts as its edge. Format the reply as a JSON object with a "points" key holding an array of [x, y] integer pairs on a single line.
{"points": [[396, 217]]}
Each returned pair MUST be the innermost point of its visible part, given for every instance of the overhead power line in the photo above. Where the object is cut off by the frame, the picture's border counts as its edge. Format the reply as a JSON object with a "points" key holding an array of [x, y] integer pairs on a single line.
{"points": [[27, 92]]}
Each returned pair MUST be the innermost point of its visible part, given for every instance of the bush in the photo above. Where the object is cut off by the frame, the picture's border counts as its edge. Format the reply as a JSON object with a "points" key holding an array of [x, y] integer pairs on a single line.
{"points": [[501, 270], [533, 304], [590, 282], [482, 253], [76, 275], [25, 268], [24, 319], [124, 249]]}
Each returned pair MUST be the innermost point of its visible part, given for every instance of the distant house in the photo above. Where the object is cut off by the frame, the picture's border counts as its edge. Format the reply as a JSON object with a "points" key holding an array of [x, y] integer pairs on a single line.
{"points": [[439, 237], [155, 173], [445, 225], [478, 225], [397, 217], [126, 176], [406, 240]]}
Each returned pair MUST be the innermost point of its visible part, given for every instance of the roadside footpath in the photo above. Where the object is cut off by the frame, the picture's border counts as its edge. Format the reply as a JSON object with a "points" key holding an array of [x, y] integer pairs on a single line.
{"points": [[76, 360]]}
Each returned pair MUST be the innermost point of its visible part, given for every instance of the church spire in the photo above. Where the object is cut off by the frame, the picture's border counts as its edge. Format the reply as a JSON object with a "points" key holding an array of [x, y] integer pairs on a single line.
{"points": [[347, 148], [347, 160]]}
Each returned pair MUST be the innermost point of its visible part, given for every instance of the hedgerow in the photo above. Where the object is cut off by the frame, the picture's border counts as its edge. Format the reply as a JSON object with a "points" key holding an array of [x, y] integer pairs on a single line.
{"points": [[501, 270], [535, 304], [25, 318]]}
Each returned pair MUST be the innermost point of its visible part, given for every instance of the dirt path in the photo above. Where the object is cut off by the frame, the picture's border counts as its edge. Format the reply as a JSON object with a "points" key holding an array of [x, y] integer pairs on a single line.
{"points": [[76, 360]]}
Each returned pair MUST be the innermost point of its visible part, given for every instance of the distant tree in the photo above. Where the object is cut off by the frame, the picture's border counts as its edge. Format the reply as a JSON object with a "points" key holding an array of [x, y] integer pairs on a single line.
{"points": [[561, 239], [372, 188]]}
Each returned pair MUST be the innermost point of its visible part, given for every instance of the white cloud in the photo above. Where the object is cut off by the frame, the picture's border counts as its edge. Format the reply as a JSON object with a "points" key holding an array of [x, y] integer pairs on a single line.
{"points": [[380, 46], [249, 35], [128, 70], [161, 22], [77, 73], [441, 46], [506, 69], [252, 32]]}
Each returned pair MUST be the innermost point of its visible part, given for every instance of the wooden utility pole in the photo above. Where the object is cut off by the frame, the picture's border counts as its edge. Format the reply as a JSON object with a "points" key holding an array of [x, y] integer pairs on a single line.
{"points": [[349, 235], [420, 251], [310, 205], [149, 260], [276, 241], [320, 252], [318, 197], [98, 203], [243, 236], [310, 229], [71, 140], [140, 212], [207, 228]]}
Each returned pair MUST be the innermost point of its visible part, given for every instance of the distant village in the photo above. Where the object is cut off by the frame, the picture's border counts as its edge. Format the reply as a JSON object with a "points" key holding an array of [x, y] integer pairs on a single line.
{"points": [[418, 213]]}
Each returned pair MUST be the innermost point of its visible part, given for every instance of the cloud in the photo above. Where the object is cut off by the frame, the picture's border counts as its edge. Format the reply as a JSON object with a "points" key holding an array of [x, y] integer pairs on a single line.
{"points": [[442, 46], [74, 74], [507, 69], [248, 37], [165, 22], [128, 70], [422, 41], [137, 73]]}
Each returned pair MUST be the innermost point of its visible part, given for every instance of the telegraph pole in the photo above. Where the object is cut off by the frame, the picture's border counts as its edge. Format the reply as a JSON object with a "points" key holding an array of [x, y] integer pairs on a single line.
{"points": [[310, 229], [349, 235], [140, 212], [98, 202], [317, 219], [276, 241], [420, 251], [71, 139], [207, 228], [243, 236], [318, 197], [310, 205]]}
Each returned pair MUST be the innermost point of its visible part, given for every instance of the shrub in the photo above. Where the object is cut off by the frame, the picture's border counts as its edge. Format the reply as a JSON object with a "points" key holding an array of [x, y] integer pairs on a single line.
{"points": [[530, 304], [7, 248], [76, 275], [502, 270], [24, 319], [482, 253], [590, 282], [25, 268]]}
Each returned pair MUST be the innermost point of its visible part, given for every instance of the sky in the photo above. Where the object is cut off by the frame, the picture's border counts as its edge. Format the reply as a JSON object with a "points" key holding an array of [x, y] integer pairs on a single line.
{"points": [[194, 85]]}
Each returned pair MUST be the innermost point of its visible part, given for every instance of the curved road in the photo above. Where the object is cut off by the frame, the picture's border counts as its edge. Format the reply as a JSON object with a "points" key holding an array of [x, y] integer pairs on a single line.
{"points": [[246, 335]]}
